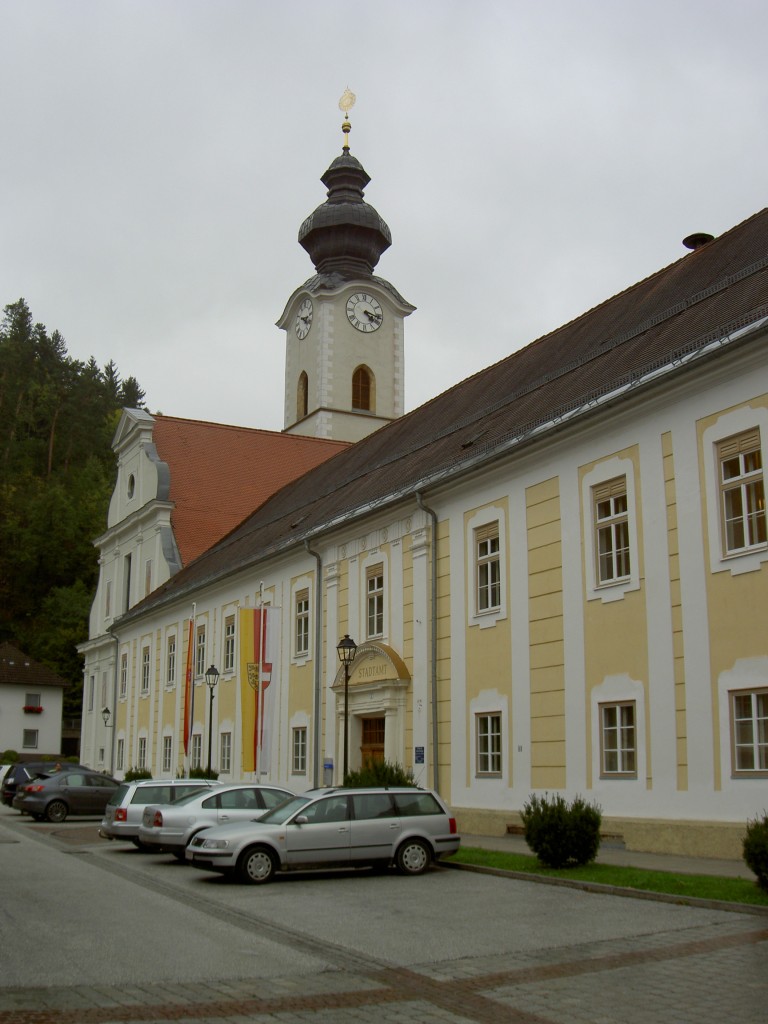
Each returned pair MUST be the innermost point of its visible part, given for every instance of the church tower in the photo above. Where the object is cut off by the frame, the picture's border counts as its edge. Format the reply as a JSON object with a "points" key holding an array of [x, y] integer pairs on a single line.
{"points": [[344, 353]]}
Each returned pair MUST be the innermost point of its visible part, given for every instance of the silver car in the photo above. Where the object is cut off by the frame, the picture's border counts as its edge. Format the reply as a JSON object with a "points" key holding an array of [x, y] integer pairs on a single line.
{"points": [[407, 827], [122, 815], [169, 827]]}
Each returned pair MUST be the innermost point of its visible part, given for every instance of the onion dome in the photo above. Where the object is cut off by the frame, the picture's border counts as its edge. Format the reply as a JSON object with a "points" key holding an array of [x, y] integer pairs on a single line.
{"points": [[345, 235]]}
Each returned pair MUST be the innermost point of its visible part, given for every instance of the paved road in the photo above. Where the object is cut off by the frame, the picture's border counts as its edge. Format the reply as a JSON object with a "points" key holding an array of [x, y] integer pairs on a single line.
{"points": [[93, 932]]}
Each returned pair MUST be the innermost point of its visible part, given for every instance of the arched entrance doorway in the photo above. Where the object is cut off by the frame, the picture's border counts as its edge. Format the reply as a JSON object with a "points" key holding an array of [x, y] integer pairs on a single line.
{"points": [[379, 684]]}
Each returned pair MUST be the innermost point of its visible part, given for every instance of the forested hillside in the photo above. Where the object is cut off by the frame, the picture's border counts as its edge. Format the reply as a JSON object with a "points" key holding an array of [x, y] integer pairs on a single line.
{"points": [[57, 418]]}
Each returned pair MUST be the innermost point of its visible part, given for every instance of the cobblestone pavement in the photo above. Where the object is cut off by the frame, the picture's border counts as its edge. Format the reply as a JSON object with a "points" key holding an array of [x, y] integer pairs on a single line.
{"points": [[719, 973], [709, 973]]}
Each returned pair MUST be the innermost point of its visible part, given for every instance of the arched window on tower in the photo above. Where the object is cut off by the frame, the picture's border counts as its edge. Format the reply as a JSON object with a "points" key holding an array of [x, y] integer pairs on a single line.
{"points": [[302, 401], [363, 390]]}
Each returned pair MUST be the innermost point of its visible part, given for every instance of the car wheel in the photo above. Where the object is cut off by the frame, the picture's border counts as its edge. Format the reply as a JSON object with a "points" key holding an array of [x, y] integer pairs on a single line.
{"points": [[180, 855], [257, 865], [56, 811], [413, 857]]}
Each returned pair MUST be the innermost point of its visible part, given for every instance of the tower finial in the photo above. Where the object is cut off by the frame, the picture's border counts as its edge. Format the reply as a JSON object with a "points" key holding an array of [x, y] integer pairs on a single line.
{"points": [[346, 103]]}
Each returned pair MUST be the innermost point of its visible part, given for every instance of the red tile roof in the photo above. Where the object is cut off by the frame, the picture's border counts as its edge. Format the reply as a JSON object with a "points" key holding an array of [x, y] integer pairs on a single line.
{"points": [[220, 474], [18, 669]]}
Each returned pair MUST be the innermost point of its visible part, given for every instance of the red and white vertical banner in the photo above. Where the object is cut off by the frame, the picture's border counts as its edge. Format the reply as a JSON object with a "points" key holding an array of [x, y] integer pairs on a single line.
{"points": [[259, 648]]}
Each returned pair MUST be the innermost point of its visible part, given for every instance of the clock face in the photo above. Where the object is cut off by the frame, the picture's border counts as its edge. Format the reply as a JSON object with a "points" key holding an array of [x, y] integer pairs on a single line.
{"points": [[364, 312], [304, 319]]}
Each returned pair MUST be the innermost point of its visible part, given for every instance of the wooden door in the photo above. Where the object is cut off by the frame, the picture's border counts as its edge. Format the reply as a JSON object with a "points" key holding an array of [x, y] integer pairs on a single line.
{"points": [[372, 747]]}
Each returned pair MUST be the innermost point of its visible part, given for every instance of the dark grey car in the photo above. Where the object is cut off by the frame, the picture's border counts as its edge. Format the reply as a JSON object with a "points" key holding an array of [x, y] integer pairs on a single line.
{"points": [[65, 792], [24, 771]]}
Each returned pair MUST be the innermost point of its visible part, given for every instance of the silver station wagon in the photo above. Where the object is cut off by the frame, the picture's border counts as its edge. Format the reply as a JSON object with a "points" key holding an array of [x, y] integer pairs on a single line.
{"points": [[407, 827], [122, 815]]}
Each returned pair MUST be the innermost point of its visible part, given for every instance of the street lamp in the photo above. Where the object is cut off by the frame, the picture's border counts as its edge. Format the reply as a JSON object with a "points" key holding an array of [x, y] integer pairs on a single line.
{"points": [[346, 649], [211, 678], [106, 714]]}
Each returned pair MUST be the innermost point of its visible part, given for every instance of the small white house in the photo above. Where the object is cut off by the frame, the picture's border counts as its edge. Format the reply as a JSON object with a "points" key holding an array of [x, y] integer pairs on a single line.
{"points": [[31, 703]]}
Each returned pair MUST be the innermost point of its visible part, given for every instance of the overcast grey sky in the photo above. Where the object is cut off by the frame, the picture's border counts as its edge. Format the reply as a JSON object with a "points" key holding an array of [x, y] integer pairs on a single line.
{"points": [[530, 158]]}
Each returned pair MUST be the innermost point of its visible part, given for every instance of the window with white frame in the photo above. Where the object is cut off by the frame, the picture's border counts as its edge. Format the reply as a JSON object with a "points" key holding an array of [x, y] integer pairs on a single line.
{"points": [[32, 700], [196, 751], [142, 754], [29, 739], [123, 674], [375, 601], [618, 740], [742, 493], [302, 622], [611, 511], [103, 688], [167, 753], [299, 751], [91, 692], [120, 756], [200, 652], [170, 662], [488, 732], [749, 725], [229, 643], [145, 667], [148, 577], [225, 752], [488, 568], [108, 599]]}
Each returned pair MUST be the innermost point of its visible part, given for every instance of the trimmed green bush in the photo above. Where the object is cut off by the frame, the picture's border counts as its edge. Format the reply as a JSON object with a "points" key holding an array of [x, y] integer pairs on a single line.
{"points": [[380, 773], [203, 773], [9, 757], [755, 848], [561, 834], [137, 773]]}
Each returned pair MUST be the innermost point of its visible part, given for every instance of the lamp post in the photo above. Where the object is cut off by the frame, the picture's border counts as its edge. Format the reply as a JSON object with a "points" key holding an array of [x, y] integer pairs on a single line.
{"points": [[346, 649], [106, 714], [211, 678]]}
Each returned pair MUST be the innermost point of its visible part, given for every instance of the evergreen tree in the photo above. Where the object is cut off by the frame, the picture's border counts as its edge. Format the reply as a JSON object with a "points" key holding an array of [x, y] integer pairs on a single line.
{"points": [[57, 419]]}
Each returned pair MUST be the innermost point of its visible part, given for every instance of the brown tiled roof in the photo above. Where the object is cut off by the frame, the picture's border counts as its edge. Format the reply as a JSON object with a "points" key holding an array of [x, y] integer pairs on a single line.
{"points": [[667, 320], [18, 669], [219, 474]]}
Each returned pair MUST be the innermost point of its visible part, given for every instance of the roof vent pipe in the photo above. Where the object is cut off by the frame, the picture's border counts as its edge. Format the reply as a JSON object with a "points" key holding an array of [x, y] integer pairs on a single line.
{"points": [[697, 239]]}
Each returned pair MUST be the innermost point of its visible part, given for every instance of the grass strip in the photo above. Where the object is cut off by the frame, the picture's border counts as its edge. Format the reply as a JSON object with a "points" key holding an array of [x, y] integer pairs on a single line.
{"points": [[704, 887]]}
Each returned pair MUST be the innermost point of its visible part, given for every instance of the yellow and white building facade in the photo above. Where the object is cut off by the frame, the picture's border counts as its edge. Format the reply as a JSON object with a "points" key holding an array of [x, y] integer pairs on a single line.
{"points": [[556, 576]]}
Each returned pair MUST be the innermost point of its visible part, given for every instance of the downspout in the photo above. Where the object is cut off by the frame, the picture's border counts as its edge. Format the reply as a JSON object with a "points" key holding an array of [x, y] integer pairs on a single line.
{"points": [[114, 705], [433, 628], [317, 723]]}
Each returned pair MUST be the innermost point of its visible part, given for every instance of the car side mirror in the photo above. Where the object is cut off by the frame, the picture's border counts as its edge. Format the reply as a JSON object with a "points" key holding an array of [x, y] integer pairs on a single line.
{"points": [[301, 819]]}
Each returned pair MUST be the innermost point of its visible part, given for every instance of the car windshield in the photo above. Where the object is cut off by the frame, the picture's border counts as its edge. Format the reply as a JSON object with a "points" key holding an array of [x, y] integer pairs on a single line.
{"points": [[280, 814]]}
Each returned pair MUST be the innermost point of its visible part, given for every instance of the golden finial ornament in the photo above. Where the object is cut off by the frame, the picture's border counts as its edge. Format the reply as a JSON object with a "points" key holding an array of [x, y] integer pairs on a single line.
{"points": [[346, 103]]}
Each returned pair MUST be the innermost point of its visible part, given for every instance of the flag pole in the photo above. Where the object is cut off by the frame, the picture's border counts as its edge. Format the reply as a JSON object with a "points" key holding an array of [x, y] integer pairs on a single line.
{"points": [[260, 691], [189, 709]]}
